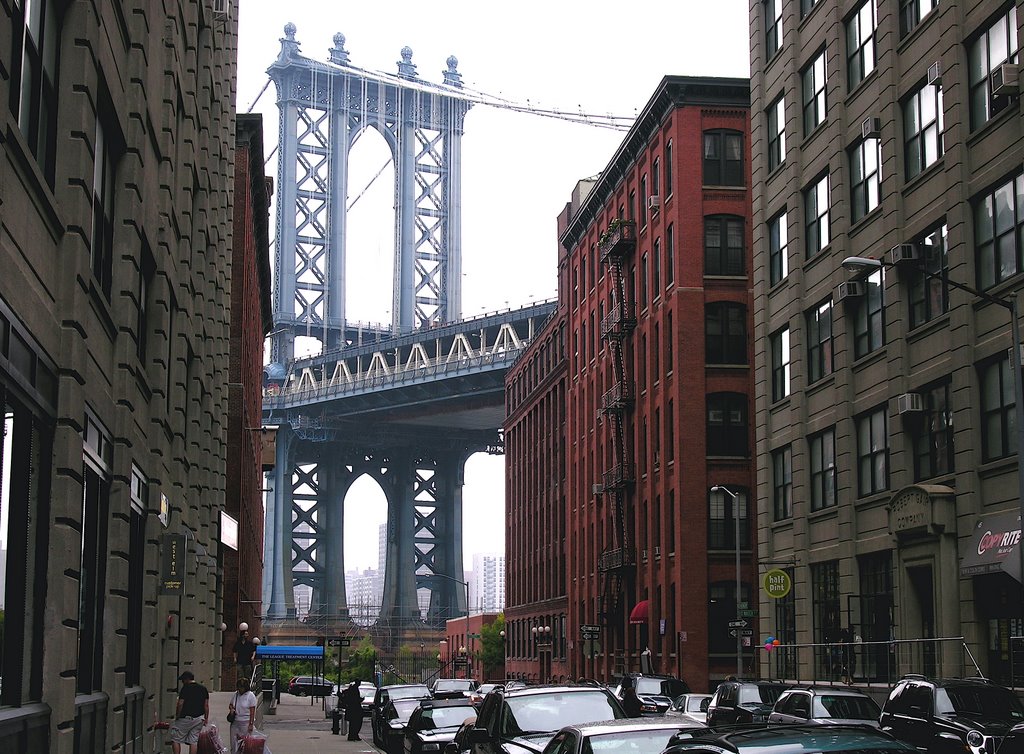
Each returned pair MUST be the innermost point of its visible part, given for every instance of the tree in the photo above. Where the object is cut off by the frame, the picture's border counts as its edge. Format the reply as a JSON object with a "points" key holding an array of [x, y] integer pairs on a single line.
{"points": [[360, 663], [492, 648]]}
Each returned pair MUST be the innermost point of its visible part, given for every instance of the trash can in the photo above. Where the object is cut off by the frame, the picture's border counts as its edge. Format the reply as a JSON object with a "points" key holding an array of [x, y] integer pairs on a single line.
{"points": [[270, 696]]}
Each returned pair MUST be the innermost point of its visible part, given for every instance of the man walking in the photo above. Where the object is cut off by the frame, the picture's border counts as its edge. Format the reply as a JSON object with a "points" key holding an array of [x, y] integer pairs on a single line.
{"points": [[191, 713], [352, 702]]}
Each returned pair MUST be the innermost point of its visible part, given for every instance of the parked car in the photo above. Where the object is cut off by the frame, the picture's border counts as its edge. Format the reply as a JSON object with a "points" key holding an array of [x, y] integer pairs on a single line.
{"points": [[434, 724], [738, 702], [790, 739], [367, 691], [691, 706], [656, 692], [620, 736], [308, 685], [1013, 742], [460, 743], [396, 715], [523, 720], [967, 715], [812, 705], [385, 694], [451, 686]]}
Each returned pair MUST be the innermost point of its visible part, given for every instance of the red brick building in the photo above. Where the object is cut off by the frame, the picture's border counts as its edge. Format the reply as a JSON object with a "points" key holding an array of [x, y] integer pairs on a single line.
{"points": [[251, 320], [459, 652], [658, 385]]}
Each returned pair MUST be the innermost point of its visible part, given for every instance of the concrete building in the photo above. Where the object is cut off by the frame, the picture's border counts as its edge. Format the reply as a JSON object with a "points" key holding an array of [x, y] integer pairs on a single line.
{"points": [[116, 159], [487, 583], [887, 464]]}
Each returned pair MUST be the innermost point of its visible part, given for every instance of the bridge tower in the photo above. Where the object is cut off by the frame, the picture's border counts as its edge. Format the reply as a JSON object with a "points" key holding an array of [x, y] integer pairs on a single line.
{"points": [[324, 107]]}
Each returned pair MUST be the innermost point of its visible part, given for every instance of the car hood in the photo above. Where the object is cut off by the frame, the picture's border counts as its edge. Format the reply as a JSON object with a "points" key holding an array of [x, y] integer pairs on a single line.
{"points": [[991, 726], [528, 744], [438, 735]]}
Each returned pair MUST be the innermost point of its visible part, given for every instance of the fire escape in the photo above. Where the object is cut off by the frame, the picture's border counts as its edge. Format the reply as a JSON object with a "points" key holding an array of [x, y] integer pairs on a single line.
{"points": [[616, 563]]}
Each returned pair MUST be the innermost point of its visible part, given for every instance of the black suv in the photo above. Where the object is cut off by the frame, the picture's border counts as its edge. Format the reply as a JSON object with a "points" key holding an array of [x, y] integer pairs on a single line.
{"points": [[963, 715], [656, 692], [385, 694], [523, 720], [738, 702]]}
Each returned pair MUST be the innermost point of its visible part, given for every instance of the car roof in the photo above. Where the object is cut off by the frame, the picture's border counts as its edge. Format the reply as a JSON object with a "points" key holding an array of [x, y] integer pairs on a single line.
{"points": [[804, 738], [830, 690], [547, 689], [405, 686], [633, 723]]}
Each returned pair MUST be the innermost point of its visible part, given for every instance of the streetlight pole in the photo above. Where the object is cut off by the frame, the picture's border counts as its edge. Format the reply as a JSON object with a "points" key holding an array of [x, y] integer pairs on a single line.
{"points": [[855, 264], [465, 584], [736, 534]]}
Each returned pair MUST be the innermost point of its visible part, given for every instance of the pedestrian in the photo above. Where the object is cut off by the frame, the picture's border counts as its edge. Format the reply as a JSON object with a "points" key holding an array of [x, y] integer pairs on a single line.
{"points": [[191, 713], [245, 648], [630, 701], [352, 702], [243, 704]]}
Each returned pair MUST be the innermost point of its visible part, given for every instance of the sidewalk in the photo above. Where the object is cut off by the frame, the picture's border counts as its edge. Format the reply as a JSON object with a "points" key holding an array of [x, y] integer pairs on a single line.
{"points": [[299, 727]]}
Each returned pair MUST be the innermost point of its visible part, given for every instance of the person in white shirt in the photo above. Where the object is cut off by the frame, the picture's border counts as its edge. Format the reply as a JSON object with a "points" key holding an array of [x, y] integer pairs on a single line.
{"points": [[243, 704]]}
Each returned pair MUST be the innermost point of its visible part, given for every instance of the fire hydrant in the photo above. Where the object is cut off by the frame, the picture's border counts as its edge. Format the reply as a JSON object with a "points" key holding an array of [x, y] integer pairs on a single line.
{"points": [[336, 719]]}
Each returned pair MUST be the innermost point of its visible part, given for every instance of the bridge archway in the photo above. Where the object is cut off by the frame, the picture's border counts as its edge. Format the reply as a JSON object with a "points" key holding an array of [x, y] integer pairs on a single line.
{"points": [[365, 506]]}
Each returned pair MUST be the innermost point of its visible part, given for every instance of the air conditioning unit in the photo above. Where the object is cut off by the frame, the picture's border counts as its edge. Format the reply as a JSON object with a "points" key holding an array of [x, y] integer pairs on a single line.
{"points": [[904, 252], [849, 289], [643, 555], [871, 128], [654, 203], [222, 8], [909, 403], [597, 489], [935, 73], [1004, 80], [657, 552]]}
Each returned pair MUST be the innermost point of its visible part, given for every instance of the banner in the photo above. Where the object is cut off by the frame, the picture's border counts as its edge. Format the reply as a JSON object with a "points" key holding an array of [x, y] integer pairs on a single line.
{"points": [[172, 563]]}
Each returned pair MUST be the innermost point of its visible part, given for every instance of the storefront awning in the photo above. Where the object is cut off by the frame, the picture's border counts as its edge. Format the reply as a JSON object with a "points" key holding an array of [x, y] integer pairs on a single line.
{"points": [[639, 612], [994, 546], [282, 652]]}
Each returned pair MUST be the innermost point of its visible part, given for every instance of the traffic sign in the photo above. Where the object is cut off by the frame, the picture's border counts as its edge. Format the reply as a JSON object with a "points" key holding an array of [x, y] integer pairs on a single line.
{"points": [[590, 635], [590, 628], [339, 641], [334, 642], [741, 632], [748, 613], [738, 623], [777, 583]]}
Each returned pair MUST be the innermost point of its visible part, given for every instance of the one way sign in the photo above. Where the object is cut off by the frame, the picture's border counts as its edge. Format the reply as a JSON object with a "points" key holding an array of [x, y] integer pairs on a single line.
{"points": [[738, 623], [741, 632]]}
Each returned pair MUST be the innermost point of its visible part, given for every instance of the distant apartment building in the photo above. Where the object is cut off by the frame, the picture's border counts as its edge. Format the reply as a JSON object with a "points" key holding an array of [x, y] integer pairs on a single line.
{"points": [[487, 583], [888, 456], [364, 590]]}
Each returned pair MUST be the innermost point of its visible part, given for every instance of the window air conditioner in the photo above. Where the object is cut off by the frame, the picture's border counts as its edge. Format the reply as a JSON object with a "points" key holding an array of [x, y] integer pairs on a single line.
{"points": [[222, 8], [1004, 80], [657, 552], [598, 489], [643, 555], [849, 289], [904, 252], [654, 203], [935, 73], [909, 403], [871, 128]]}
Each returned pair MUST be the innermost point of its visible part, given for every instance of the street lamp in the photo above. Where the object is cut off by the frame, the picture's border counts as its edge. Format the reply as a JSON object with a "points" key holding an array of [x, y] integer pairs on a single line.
{"points": [[736, 523], [857, 264], [465, 584], [541, 636]]}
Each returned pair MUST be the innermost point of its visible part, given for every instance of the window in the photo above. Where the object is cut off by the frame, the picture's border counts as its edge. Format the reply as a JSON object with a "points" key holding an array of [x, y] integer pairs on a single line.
{"points": [[668, 343], [997, 410], [98, 454], [147, 270], [727, 424], [102, 249], [783, 658], [670, 532], [932, 434], [643, 281], [815, 105], [912, 12], [723, 158], [722, 520], [876, 614], [995, 45], [929, 294], [35, 42], [778, 247], [806, 6], [725, 333], [136, 569], [922, 127], [782, 483], [998, 218], [865, 176], [723, 245], [872, 452], [632, 204], [776, 133], [656, 272], [860, 44], [819, 341], [780, 364], [670, 251], [816, 216], [772, 27], [656, 177], [869, 319], [668, 168], [722, 609], [643, 200], [825, 608], [670, 437], [822, 448]]}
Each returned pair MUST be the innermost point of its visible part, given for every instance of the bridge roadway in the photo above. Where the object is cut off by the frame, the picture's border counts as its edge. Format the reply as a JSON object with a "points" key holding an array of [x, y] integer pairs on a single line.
{"points": [[450, 376]]}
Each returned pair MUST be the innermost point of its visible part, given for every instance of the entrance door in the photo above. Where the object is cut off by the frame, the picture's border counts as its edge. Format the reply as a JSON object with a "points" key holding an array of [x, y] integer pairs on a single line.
{"points": [[922, 588]]}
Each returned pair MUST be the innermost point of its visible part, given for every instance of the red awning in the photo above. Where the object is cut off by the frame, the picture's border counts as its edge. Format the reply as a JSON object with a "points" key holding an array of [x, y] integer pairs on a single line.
{"points": [[639, 612]]}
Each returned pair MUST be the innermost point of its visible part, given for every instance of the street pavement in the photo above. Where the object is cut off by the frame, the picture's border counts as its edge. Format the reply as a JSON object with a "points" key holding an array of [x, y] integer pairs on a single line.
{"points": [[297, 727]]}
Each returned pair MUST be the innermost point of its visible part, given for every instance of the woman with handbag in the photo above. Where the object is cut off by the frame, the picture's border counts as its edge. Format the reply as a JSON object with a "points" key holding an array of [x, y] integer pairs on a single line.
{"points": [[241, 713]]}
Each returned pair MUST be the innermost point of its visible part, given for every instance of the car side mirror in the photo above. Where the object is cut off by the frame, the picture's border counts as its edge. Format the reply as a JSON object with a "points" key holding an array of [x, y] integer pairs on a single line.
{"points": [[704, 704], [479, 736]]}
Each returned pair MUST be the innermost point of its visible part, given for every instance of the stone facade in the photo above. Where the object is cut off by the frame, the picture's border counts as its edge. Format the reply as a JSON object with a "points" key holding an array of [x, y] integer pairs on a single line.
{"points": [[115, 237]]}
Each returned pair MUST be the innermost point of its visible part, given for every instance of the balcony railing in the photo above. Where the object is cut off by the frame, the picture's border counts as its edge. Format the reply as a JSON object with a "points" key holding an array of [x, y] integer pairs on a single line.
{"points": [[619, 321], [613, 560], [618, 241], [619, 476], [619, 397]]}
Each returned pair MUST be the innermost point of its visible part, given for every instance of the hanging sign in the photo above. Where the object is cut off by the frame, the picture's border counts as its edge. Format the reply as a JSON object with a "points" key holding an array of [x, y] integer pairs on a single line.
{"points": [[172, 563], [777, 583]]}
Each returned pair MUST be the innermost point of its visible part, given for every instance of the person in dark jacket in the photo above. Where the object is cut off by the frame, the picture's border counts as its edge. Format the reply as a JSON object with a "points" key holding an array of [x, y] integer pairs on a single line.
{"points": [[245, 648], [352, 703], [630, 701]]}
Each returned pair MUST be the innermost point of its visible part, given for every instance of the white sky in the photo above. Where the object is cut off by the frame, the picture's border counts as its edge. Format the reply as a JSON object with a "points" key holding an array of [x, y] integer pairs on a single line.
{"points": [[518, 170]]}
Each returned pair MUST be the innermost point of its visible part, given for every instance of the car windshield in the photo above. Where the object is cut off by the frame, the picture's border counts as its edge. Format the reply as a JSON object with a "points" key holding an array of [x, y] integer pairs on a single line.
{"points": [[367, 691], [405, 707], [760, 694], [448, 717], [454, 685], [628, 742], [846, 707], [670, 687], [985, 701], [543, 713], [408, 692]]}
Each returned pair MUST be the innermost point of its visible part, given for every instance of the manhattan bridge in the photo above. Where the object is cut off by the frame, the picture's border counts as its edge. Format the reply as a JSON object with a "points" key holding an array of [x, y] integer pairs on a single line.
{"points": [[406, 403]]}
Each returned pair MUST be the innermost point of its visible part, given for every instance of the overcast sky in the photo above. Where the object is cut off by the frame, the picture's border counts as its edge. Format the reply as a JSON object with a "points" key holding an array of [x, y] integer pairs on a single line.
{"points": [[518, 169]]}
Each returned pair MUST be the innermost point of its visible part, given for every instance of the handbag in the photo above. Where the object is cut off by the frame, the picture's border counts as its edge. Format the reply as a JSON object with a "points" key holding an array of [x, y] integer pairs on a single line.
{"points": [[231, 714]]}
